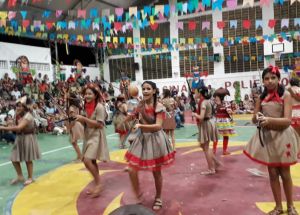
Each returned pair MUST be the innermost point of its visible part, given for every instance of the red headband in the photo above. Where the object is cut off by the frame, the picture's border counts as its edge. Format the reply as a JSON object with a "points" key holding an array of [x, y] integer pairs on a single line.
{"points": [[274, 69]]}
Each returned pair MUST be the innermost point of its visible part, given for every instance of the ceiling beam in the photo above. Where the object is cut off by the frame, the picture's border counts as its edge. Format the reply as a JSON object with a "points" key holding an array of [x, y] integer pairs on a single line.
{"points": [[138, 3], [107, 3]]}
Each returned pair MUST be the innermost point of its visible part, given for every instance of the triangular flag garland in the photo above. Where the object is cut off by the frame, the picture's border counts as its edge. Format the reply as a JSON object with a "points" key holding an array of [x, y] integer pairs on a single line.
{"points": [[110, 23]]}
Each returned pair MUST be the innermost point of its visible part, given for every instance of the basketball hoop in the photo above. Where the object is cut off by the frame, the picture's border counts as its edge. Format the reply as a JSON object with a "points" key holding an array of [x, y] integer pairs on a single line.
{"points": [[277, 55]]}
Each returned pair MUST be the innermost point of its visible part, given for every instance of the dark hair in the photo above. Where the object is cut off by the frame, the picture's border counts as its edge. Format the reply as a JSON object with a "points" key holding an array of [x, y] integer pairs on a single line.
{"points": [[153, 85], [294, 82], [25, 106], [280, 89], [204, 92], [76, 61], [166, 93]]}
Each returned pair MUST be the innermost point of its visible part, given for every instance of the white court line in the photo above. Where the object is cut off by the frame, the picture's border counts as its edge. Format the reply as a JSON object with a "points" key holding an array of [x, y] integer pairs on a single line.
{"points": [[55, 150]]}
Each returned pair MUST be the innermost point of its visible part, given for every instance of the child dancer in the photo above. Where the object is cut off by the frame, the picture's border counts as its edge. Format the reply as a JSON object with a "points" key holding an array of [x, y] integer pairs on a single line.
{"points": [[295, 93], [224, 122], [275, 144], [207, 129], [121, 127], [76, 131], [151, 150], [26, 147], [169, 123], [95, 146]]}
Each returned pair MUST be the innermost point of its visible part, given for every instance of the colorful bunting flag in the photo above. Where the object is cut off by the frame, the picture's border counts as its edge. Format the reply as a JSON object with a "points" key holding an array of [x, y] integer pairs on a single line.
{"points": [[246, 24], [205, 25], [231, 4], [192, 25], [133, 12], [221, 24], [93, 13], [248, 2], [12, 3], [264, 3], [258, 24], [58, 13], [284, 23], [81, 14], [233, 23], [272, 23], [292, 1], [217, 4]]}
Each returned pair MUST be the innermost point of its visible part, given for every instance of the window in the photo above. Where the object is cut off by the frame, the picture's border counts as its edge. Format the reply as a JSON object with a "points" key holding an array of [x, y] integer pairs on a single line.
{"points": [[157, 66], [196, 57], [3, 64], [35, 66], [243, 57], [202, 57], [125, 64], [287, 11]]}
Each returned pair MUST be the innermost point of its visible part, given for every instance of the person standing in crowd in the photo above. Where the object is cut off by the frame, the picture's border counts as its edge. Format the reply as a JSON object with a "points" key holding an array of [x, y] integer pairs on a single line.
{"points": [[111, 90], [26, 147], [275, 143], [169, 123], [95, 145], [224, 122], [295, 93], [121, 126], [151, 150], [75, 128], [206, 129]]}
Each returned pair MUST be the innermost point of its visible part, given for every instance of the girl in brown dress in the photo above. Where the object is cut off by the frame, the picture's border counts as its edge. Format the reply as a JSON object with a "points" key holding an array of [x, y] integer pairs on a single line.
{"points": [[207, 129], [169, 123], [76, 131], [151, 149], [275, 143], [26, 147], [94, 145]]}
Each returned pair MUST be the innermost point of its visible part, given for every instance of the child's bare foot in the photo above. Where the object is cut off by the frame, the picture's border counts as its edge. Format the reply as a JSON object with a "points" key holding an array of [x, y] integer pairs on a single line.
{"points": [[97, 191], [17, 180], [28, 181], [88, 192]]}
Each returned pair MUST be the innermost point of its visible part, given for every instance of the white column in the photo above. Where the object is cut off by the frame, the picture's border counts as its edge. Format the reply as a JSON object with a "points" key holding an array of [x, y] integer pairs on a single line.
{"points": [[219, 68], [137, 56], [267, 14], [174, 53]]}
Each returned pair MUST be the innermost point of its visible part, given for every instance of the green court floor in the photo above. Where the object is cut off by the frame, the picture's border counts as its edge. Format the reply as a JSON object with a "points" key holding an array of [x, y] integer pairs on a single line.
{"points": [[57, 151]]}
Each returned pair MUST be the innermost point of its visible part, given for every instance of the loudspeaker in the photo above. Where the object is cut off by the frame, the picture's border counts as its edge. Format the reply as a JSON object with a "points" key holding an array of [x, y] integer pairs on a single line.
{"points": [[136, 66], [217, 57]]}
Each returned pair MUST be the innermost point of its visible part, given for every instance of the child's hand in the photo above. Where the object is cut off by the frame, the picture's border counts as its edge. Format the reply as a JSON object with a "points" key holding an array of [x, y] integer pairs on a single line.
{"points": [[264, 121], [259, 116], [80, 118]]}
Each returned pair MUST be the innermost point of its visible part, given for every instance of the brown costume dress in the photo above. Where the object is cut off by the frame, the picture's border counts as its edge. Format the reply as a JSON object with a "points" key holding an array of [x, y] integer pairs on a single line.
{"points": [[95, 144], [26, 147], [278, 147], [77, 130], [207, 128], [169, 121], [150, 150]]}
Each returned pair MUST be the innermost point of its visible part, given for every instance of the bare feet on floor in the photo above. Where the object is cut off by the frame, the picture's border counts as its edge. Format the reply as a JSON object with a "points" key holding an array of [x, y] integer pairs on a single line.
{"points": [[17, 180], [28, 181], [97, 191]]}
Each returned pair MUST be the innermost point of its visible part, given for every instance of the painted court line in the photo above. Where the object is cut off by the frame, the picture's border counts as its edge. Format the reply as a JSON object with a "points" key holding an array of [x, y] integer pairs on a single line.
{"points": [[54, 150]]}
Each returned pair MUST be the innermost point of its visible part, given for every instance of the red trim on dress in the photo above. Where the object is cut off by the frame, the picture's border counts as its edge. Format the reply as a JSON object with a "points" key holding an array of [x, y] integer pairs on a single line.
{"points": [[269, 164], [121, 132], [296, 107], [154, 164]]}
